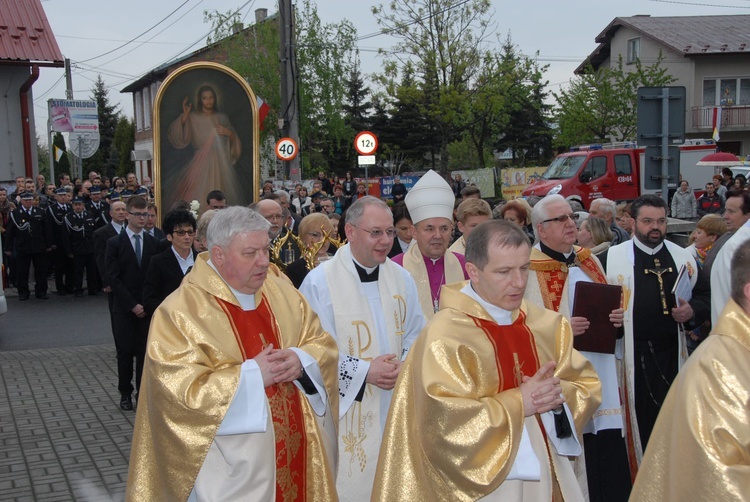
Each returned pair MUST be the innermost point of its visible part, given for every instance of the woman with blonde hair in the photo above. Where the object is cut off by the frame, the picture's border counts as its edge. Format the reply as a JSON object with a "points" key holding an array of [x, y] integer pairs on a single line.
{"points": [[709, 229], [312, 230], [595, 235]]}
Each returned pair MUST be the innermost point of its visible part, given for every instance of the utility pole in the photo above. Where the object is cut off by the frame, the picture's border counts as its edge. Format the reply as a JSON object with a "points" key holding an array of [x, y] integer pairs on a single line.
{"points": [[78, 169], [289, 122]]}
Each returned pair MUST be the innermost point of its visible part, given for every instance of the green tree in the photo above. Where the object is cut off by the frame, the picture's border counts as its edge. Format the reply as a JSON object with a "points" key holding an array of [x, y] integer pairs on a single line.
{"points": [[356, 109], [324, 53], [122, 144], [42, 154], [443, 39], [601, 105], [103, 160]]}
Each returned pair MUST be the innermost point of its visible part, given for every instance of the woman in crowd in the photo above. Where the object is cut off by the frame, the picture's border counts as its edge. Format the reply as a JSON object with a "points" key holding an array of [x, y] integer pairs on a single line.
{"points": [[312, 230], [709, 229], [594, 234], [740, 182], [684, 203], [518, 211], [302, 202], [350, 188]]}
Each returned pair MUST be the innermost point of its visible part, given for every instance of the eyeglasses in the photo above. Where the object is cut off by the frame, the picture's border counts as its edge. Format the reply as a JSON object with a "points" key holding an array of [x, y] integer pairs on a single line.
{"points": [[377, 234], [139, 215], [650, 221], [181, 233], [563, 218]]}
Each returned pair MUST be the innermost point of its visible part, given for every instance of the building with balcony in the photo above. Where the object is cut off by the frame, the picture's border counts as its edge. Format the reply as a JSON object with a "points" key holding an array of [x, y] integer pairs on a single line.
{"points": [[708, 55]]}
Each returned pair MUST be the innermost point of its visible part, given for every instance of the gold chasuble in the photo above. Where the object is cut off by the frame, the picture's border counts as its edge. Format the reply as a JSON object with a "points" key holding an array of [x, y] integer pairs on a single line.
{"points": [[700, 446], [457, 417], [255, 330], [198, 340], [552, 274]]}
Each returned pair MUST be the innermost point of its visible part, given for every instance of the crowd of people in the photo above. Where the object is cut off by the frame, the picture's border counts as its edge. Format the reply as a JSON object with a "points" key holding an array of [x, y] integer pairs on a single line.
{"points": [[420, 351]]}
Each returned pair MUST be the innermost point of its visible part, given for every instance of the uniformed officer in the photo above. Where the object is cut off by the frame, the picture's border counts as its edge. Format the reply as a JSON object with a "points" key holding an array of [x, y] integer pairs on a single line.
{"points": [[79, 247], [30, 233], [97, 207], [63, 264]]}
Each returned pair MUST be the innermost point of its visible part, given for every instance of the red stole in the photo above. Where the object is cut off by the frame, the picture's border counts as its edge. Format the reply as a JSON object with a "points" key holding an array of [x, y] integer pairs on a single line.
{"points": [[254, 330], [515, 350], [552, 275]]}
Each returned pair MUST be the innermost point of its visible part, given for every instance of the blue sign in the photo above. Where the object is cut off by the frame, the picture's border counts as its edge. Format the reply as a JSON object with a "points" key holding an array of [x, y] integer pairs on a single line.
{"points": [[386, 184]]}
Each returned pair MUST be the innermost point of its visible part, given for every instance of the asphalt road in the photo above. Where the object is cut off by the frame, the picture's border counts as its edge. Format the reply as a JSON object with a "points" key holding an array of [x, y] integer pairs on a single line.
{"points": [[61, 321]]}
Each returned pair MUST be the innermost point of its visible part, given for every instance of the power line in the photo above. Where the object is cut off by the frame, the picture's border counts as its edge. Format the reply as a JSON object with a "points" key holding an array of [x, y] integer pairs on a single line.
{"points": [[696, 4], [136, 37], [387, 31], [114, 40]]}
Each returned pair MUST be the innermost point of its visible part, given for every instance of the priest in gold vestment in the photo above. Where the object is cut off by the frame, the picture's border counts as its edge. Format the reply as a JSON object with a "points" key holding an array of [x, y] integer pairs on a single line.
{"points": [[239, 399], [492, 394], [700, 446]]}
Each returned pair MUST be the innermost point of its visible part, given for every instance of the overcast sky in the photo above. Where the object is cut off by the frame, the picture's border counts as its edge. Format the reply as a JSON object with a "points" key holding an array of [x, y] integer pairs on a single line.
{"points": [[97, 35]]}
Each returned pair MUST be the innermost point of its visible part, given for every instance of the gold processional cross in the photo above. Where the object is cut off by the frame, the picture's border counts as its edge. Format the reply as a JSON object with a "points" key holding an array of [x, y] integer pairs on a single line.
{"points": [[658, 272]]}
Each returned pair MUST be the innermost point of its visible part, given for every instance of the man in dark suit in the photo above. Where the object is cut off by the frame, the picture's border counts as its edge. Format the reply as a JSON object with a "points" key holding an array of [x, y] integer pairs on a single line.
{"points": [[151, 227], [98, 207], [126, 261], [167, 269], [79, 245], [56, 211]]}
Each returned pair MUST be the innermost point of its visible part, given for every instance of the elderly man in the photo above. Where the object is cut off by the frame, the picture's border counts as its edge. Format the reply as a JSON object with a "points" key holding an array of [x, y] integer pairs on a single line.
{"points": [[492, 394], [374, 335], [239, 380], [654, 345], [430, 204], [698, 450], [737, 216], [557, 266], [607, 210], [289, 252]]}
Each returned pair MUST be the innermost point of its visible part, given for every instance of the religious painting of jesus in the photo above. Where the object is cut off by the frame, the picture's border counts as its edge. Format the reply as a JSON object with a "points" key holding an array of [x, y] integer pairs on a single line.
{"points": [[205, 136]]}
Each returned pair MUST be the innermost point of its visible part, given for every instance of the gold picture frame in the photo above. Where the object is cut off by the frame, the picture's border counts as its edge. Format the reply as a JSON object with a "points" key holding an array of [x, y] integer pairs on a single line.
{"points": [[201, 144]]}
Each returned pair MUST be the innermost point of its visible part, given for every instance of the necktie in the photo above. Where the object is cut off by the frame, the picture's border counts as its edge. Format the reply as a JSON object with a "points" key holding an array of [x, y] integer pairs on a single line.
{"points": [[137, 247]]}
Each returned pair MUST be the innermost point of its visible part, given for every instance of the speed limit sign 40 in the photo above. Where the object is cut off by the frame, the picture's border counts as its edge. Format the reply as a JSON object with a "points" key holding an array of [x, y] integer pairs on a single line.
{"points": [[366, 143], [286, 149]]}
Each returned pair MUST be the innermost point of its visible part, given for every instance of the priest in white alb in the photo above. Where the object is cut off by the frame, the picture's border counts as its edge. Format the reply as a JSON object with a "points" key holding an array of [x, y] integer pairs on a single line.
{"points": [[371, 307]]}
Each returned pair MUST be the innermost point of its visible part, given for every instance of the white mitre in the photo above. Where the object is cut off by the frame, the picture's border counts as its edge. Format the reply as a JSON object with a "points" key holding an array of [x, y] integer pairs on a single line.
{"points": [[430, 197]]}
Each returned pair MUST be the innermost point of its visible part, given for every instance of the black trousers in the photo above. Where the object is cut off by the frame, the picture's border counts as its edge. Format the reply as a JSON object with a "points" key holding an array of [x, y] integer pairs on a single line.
{"points": [[131, 333], [655, 370], [81, 263], [23, 265], [607, 467], [63, 271]]}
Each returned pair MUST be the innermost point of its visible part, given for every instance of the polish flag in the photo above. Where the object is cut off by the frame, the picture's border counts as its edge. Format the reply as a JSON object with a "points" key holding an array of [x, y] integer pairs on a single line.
{"points": [[263, 110], [716, 123]]}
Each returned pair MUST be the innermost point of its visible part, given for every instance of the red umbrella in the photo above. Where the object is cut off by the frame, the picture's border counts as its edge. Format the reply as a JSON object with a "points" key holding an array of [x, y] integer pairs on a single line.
{"points": [[720, 159]]}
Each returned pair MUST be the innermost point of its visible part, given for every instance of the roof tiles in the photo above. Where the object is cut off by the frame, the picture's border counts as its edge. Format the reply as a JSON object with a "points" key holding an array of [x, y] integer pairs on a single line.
{"points": [[25, 34]]}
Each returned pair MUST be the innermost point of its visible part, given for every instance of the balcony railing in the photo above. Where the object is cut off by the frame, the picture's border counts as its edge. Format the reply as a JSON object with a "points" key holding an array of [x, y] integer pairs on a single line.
{"points": [[731, 116]]}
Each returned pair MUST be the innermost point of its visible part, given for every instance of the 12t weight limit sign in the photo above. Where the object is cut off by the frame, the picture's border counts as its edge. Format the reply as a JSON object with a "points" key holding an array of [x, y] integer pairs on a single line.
{"points": [[366, 143], [286, 149]]}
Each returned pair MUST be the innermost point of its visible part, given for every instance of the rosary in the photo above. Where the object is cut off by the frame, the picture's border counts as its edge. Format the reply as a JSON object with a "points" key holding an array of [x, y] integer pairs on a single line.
{"points": [[658, 272]]}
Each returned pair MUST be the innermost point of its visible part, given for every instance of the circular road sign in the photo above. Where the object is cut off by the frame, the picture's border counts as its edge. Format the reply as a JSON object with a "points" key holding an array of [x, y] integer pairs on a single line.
{"points": [[286, 149], [366, 143]]}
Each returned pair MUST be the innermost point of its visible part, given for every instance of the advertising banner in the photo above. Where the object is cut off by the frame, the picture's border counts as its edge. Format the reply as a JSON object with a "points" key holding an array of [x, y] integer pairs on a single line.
{"points": [[484, 179], [67, 115], [386, 184], [516, 180]]}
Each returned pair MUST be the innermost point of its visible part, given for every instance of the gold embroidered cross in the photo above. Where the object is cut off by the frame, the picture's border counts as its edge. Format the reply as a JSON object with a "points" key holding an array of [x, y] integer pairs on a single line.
{"points": [[658, 272]]}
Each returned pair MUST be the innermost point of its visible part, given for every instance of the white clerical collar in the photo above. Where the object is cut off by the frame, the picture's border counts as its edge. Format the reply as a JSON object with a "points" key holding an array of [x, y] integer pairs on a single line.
{"points": [[645, 248], [501, 316], [369, 270], [247, 302]]}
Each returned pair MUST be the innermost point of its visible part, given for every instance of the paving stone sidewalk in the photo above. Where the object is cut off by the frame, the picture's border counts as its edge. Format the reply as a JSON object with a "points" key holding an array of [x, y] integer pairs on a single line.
{"points": [[62, 434]]}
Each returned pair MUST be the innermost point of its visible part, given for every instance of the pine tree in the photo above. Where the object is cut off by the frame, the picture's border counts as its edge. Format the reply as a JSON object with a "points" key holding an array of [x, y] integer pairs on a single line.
{"points": [[123, 144], [103, 160]]}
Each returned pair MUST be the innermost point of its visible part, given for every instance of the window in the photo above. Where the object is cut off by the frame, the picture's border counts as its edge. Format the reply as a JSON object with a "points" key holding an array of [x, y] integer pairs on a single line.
{"points": [[622, 165], [597, 167], [634, 50], [726, 92], [138, 112], [147, 108]]}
